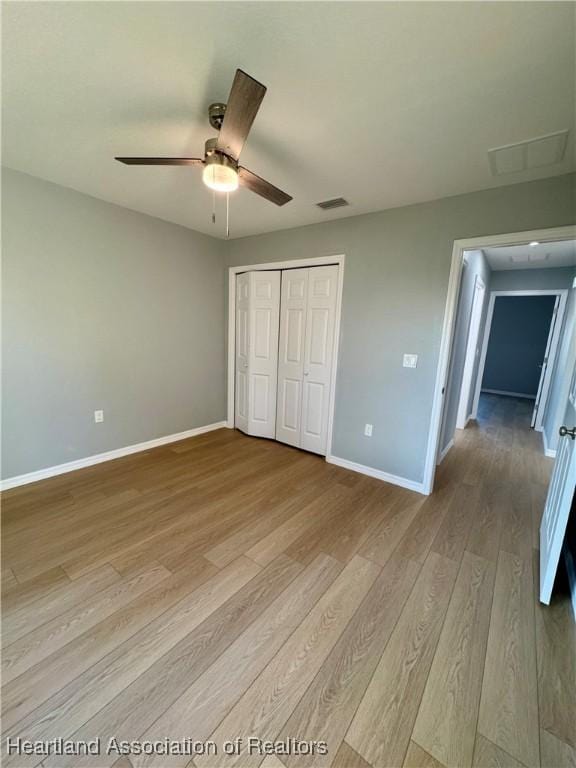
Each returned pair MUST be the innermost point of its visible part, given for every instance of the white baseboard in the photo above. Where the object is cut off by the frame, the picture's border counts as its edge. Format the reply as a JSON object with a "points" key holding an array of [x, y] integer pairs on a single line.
{"points": [[571, 570], [550, 452], [444, 452], [117, 453], [377, 473], [508, 394]]}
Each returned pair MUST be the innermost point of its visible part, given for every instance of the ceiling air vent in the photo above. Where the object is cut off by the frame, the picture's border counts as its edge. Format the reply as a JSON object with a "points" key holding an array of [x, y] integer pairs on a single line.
{"points": [[525, 155], [338, 202]]}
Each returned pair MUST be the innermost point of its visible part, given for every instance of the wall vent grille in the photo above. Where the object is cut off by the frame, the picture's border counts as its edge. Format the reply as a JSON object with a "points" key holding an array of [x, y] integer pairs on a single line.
{"points": [[337, 202]]}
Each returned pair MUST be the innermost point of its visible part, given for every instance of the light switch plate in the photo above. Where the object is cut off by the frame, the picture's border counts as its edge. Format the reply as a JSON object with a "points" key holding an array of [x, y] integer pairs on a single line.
{"points": [[410, 361], [368, 430], [98, 416]]}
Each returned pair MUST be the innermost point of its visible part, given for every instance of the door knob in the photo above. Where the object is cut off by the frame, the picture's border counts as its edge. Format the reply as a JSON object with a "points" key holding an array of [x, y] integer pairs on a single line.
{"points": [[564, 431]]}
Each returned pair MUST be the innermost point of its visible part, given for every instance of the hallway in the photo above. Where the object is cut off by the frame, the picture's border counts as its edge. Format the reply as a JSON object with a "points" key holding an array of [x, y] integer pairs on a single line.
{"points": [[226, 586], [529, 674]]}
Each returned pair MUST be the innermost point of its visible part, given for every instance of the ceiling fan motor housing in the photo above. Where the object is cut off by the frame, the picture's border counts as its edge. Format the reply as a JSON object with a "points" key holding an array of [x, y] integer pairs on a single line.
{"points": [[216, 114]]}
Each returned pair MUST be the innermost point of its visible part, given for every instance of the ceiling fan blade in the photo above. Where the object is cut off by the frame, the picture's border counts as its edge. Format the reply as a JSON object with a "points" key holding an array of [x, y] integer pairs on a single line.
{"points": [[243, 103], [261, 187], [160, 160]]}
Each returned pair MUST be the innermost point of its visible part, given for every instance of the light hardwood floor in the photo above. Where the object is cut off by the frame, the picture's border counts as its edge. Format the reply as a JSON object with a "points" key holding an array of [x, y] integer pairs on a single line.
{"points": [[226, 587]]}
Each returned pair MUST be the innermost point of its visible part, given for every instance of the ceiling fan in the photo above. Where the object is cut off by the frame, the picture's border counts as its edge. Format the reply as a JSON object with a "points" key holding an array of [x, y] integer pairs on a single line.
{"points": [[233, 122]]}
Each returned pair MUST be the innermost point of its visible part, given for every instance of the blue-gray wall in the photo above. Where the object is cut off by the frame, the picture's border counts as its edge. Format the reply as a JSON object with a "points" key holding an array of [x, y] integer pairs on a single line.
{"points": [[517, 343]]}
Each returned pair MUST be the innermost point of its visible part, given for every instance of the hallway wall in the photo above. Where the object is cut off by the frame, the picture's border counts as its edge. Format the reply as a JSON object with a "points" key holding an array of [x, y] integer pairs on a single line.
{"points": [[531, 279], [517, 344]]}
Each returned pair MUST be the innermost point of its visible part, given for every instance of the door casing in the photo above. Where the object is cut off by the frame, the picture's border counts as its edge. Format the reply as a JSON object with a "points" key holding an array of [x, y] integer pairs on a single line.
{"points": [[474, 332], [453, 291]]}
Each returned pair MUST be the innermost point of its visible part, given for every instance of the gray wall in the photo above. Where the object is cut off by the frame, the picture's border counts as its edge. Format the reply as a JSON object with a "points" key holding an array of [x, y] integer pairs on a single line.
{"points": [[103, 308], [517, 343], [395, 285], [107, 308], [531, 279]]}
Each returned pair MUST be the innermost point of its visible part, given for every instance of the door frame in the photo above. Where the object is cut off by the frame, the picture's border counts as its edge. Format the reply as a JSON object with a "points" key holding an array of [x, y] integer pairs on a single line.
{"points": [[447, 340], [318, 261], [470, 357], [563, 294]]}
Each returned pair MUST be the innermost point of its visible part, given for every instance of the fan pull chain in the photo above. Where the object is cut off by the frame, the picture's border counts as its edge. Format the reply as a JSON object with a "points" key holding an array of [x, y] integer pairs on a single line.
{"points": [[213, 207], [227, 215]]}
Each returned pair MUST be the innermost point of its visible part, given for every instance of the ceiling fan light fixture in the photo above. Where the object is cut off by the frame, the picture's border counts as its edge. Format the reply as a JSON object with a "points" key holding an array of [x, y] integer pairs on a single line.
{"points": [[233, 121], [220, 178]]}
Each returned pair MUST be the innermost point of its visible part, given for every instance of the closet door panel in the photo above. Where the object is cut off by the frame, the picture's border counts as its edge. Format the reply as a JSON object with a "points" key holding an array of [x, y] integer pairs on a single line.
{"points": [[291, 355], [313, 410], [257, 327], [242, 340], [319, 321], [291, 405], [318, 357], [260, 397], [263, 352]]}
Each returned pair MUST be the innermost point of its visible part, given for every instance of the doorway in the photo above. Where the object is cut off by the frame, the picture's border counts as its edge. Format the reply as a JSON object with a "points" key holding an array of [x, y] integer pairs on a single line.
{"points": [[520, 389], [520, 345], [435, 449]]}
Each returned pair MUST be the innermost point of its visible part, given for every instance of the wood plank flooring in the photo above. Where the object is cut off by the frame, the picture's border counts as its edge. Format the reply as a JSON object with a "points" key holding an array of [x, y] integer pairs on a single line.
{"points": [[226, 588]]}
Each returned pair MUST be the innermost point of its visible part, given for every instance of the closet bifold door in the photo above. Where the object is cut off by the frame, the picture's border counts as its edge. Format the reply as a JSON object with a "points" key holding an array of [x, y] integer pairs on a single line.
{"points": [[306, 351], [293, 304], [318, 357], [257, 324]]}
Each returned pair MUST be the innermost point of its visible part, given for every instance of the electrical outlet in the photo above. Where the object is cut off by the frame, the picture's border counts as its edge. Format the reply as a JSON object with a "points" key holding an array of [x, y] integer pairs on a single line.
{"points": [[368, 430], [98, 416], [410, 361]]}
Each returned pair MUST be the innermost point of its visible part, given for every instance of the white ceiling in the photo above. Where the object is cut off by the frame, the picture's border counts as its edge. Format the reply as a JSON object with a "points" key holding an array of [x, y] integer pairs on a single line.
{"points": [[544, 255], [385, 104]]}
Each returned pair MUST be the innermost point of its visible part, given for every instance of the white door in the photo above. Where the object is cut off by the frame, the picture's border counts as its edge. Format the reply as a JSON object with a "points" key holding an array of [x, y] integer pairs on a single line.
{"points": [[307, 326], [472, 352], [257, 321], [242, 343], [318, 357], [559, 499], [544, 383], [293, 300]]}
